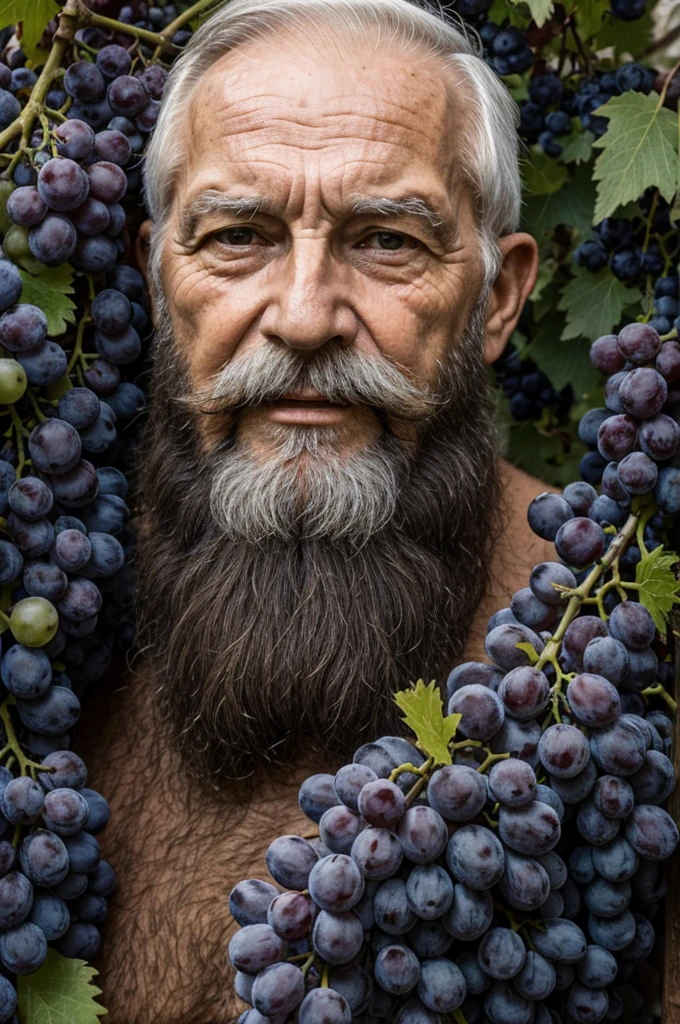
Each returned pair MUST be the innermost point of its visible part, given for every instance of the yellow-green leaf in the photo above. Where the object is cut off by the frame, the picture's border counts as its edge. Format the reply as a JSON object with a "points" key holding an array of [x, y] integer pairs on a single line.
{"points": [[33, 15], [50, 290], [423, 713], [639, 149], [60, 992], [659, 588]]}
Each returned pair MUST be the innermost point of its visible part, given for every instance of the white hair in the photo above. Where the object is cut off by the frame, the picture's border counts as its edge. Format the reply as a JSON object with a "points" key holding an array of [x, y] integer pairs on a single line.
{"points": [[489, 157]]}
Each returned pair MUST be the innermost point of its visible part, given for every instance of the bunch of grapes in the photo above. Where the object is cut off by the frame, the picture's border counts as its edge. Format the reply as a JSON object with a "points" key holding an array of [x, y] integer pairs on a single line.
{"points": [[70, 190], [518, 883]]}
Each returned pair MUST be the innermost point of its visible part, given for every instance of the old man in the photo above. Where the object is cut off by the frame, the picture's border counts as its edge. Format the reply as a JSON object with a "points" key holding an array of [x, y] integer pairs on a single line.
{"points": [[334, 261]]}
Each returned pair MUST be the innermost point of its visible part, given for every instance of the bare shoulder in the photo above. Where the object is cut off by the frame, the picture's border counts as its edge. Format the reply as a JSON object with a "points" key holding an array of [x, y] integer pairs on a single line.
{"points": [[517, 550]]}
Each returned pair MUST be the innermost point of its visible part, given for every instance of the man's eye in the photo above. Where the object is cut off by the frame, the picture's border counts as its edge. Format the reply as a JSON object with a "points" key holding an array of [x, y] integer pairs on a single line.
{"points": [[236, 236], [389, 240]]}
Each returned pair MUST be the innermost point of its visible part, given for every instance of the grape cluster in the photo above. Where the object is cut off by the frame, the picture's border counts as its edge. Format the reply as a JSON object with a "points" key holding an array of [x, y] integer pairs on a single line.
{"points": [[72, 406], [518, 883]]}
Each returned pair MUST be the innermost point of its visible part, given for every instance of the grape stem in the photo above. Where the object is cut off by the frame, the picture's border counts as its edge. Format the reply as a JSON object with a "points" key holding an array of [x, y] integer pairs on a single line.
{"points": [[19, 431], [459, 1017], [161, 40], [658, 690], [26, 765], [616, 548], [68, 23], [491, 759], [418, 786]]}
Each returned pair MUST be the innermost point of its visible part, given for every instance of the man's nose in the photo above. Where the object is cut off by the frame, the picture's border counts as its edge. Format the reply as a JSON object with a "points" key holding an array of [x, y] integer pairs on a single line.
{"points": [[310, 303]]}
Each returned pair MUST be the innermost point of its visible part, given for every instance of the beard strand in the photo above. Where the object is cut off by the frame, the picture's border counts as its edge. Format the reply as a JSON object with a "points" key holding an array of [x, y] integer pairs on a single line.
{"points": [[276, 628]]}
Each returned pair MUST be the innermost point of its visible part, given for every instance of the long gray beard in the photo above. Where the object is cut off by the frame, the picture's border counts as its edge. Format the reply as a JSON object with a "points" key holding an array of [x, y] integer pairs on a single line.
{"points": [[275, 633]]}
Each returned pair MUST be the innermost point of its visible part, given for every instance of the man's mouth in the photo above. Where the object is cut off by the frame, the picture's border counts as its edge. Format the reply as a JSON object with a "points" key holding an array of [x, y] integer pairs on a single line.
{"points": [[305, 408]]}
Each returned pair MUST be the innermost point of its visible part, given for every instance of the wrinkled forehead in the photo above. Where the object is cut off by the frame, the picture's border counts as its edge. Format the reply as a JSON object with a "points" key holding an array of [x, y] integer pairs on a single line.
{"points": [[351, 113]]}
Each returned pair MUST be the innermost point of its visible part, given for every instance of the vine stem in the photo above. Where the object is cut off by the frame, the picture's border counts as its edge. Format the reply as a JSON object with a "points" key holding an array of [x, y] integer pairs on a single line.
{"points": [[78, 347], [25, 763], [161, 40], [615, 550], [63, 37]]}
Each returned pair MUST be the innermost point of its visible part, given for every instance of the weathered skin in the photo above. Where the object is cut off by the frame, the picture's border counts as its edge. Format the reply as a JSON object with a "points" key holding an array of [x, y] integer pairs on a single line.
{"points": [[306, 123]]}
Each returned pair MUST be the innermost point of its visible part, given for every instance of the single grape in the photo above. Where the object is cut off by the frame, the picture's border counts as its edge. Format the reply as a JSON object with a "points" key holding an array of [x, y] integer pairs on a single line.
{"points": [[323, 1004], [512, 783], [547, 513], [612, 933], [617, 861], [335, 883], [53, 240], [638, 343], [563, 750], [614, 797], [289, 860], [337, 938], [254, 947], [659, 437], [33, 621], [651, 832], [392, 912], [559, 940], [481, 710], [605, 354], [381, 803], [617, 437], [76, 139], [580, 542], [429, 891], [525, 692], [44, 859], [595, 827], [643, 392], [23, 948], [338, 828], [547, 577], [501, 953], [605, 656], [532, 829], [22, 328], [501, 645], [575, 788], [618, 749], [457, 792], [537, 978], [377, 853], [441, 986], [525, 883], [62, 184], [594, 701], [475, 857], [423, 834], [278, 989], [471, 913], [503, 1004], [633, 625]]}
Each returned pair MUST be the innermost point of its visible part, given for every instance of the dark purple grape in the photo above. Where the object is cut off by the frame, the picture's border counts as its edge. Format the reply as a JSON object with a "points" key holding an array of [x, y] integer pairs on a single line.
{"points": [[563, 750], [79, 407], [594, 700], [619, 749], [643, 392], [545, 576], [102, 377], [638, 343], [113, 146], [580, 542], [579, 634], [120, 348], [113, 60], [127, 96], [633, 625], [44, 365], [547, 513], [84, 82], [580, 497], [612, 398], [512, 782], [607, 657], [30, 498], [651, 832], [76, 139], [91, 218], [76, 488], [26, 207], [62, 184], [501, 645], [617, 437], [107, 181], [605, 354], [659, 437], [481, 710], [23, 328], [667, 362], [475, 857], [53, 240], [54, 446], [525, 692]]}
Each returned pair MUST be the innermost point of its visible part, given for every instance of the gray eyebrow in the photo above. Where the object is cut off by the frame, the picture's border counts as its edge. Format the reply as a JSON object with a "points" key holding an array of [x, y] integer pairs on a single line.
{"points": [[213, 201]]}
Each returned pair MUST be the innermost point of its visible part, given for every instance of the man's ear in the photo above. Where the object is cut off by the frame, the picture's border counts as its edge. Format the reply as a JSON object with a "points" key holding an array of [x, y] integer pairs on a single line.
{"points": [[142, 244], [510, 291]]}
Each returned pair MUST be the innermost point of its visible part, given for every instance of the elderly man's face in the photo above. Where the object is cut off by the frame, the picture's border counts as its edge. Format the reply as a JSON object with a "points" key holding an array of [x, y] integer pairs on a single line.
{"points": [[307, 132]]}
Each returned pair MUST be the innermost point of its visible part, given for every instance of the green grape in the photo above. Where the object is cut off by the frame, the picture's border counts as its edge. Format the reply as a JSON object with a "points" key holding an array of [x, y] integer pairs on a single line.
{"points": [[6, 189], [12, 381], [33, 621]]}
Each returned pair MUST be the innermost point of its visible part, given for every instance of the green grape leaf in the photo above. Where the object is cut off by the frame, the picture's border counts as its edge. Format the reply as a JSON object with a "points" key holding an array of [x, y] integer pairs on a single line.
{"points": [[659, 588], [60, 992], [50, 291], [629, 37], [563, 363], [424, 715], [577, 148], [639, 149], [33, 15], [541, 175], [571, 205], [594, 303], [540, 10]]}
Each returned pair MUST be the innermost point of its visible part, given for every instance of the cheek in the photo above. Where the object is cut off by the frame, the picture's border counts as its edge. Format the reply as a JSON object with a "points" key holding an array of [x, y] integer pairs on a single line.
{"points": [[210, 317], [416, 325]]}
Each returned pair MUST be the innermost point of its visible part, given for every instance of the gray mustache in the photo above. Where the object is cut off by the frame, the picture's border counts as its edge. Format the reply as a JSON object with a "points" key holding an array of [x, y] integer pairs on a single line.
{"points": [[345, 376]]}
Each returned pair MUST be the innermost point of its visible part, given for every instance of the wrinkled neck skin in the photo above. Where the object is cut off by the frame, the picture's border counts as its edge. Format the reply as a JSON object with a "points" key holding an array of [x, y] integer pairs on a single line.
{"points": [[179, 846]]}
